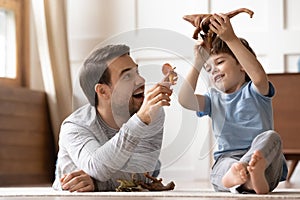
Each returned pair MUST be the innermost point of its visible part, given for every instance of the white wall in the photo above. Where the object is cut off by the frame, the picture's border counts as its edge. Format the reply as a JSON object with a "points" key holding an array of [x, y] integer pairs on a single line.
{"points": [[273, 33]]}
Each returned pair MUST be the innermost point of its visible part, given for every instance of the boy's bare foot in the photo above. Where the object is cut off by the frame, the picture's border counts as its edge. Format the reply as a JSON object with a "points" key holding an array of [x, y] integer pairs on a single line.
{"points": [[256, 168], [236, 175]]}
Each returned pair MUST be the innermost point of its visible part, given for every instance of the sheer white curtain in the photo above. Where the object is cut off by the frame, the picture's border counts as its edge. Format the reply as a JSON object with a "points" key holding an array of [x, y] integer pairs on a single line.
{"points": [[51, 31]]}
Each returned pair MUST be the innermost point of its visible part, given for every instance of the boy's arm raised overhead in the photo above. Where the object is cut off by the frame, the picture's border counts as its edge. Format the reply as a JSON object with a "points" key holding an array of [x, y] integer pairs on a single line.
{"points": [[221, 25], [187, 97]]}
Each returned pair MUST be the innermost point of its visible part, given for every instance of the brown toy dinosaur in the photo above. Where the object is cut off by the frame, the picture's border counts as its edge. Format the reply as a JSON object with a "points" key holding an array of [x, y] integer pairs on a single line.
{"points": [[202, 21], [156, 184], [169, 73], [139, 186]]}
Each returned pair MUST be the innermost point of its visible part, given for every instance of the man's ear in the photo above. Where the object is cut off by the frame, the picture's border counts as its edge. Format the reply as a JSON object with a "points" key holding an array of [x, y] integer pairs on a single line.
{"points": [[102, 90]]}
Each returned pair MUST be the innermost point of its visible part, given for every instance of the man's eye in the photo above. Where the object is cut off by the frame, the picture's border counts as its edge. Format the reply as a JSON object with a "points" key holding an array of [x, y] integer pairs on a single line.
{"points": [[127, 76]]}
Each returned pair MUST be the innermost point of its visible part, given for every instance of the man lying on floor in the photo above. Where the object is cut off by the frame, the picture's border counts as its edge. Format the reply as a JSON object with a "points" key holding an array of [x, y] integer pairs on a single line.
{"points": [[119, 132]]}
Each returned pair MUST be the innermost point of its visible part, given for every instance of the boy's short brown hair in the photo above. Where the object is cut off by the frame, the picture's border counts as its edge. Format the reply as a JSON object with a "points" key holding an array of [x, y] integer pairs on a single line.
{"points": [[219, 46]]}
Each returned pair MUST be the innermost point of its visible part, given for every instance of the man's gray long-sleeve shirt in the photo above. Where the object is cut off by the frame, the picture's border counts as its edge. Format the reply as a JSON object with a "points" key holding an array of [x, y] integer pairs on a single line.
{"points": [[86, 142]]}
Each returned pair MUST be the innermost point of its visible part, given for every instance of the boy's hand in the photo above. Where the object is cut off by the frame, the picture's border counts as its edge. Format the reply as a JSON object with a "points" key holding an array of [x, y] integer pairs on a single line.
{"points": [[201, 53], [77, 181], [220, 24]]}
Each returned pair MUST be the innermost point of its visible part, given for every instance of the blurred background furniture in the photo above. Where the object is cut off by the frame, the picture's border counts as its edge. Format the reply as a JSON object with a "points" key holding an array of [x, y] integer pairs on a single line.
{"points": [[27, 153], [287, 115]]}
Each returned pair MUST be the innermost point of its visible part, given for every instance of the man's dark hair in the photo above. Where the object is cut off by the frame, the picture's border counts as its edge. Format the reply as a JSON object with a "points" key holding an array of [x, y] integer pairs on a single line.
{"points": [[95, 69]]}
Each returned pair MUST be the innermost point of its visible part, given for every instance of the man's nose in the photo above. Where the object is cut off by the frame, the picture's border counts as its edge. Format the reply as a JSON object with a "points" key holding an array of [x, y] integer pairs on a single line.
{"points": [[140, 79]]}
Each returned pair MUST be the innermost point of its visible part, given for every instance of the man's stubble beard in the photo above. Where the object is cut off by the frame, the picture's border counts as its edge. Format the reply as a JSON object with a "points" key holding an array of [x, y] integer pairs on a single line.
{"points": [[123, 112]]}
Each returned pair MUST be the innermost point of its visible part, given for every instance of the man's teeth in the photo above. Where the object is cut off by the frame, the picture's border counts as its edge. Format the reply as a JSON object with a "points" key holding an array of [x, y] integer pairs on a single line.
{"points": [[139, 94]]}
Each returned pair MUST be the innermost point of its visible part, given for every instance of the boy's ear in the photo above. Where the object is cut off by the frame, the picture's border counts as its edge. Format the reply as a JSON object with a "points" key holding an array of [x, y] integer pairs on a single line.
{"points": [[102, 90]]}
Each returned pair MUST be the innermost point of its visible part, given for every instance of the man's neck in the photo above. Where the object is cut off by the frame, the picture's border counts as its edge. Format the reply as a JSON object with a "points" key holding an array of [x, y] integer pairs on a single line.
{"points": [[107, 117]]}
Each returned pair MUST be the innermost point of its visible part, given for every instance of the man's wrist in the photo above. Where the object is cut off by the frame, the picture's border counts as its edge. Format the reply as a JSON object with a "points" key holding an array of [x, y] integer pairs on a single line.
{"points": [[144, 118]]}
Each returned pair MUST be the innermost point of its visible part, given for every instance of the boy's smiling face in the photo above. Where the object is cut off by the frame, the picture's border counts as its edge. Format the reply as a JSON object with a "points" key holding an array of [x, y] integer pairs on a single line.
{"points": [[225, 72]]}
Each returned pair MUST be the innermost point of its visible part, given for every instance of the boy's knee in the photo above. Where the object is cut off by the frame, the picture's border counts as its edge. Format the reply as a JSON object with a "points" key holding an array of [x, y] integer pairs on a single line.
{"points": [[273, 135]]}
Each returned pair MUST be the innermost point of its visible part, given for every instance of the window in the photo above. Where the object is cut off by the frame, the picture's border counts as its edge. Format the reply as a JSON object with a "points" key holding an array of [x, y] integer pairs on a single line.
{"points": [[14, 35], [7, 44]]}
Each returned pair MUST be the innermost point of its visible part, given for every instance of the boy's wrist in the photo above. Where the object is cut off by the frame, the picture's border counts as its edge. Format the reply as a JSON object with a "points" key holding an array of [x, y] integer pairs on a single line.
{"points": [[233, 39], [198, 66], [199, 63]]}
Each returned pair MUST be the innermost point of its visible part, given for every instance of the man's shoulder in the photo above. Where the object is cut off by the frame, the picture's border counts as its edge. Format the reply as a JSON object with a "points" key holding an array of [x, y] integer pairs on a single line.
{"points": [[84, 115]]}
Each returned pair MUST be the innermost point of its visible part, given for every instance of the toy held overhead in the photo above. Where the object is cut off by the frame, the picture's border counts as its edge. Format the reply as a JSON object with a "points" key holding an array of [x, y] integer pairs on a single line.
{"points": [[202, 22]]}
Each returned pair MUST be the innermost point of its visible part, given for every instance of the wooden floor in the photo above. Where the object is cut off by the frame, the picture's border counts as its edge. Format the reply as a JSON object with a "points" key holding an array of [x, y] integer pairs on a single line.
{"points": [[284, 191]]}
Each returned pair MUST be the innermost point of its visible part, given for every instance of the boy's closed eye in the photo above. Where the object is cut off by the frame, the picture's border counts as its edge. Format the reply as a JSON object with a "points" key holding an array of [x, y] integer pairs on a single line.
{"points": [[220, 62]]}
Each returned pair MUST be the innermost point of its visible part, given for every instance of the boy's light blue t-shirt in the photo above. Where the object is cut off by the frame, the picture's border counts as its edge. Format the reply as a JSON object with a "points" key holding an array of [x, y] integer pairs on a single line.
{"points": [[237, 118]]}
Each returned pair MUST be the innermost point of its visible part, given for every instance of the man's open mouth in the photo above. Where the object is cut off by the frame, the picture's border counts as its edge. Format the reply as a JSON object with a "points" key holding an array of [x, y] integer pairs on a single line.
{"points": [[138, 95]]}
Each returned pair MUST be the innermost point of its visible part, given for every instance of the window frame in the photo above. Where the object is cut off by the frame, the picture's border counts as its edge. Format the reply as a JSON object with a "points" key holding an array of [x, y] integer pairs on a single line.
{"points": [[21, 12]]}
